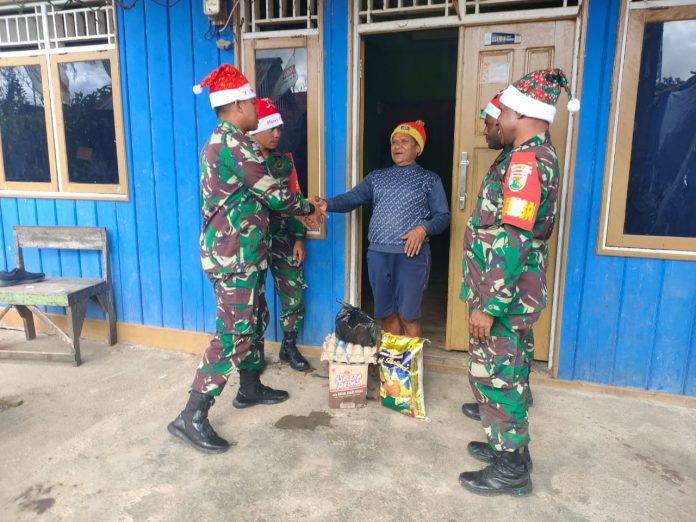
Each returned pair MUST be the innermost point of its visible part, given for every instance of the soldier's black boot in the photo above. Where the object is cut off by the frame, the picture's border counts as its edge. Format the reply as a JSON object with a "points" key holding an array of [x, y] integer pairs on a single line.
{"points": [[192, 425], [482, 451], [508, 475], [471, 410], [252, 392], [290, 354]]}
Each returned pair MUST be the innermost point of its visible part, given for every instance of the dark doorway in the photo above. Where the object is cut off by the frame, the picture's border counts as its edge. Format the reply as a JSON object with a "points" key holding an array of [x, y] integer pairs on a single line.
{"points": [[413, 76]]}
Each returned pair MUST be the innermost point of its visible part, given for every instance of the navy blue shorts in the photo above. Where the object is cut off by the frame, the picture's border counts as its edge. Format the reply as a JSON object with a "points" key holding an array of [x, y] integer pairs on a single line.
{"points": [[398, 283]]}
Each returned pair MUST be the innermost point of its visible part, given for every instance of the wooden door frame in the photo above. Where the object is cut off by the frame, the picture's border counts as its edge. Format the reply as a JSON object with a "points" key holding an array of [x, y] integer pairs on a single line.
{"points": [[356, 33]]}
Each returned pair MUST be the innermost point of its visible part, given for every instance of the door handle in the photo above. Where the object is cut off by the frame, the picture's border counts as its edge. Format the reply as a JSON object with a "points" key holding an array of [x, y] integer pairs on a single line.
{"points": [[463, 169]]}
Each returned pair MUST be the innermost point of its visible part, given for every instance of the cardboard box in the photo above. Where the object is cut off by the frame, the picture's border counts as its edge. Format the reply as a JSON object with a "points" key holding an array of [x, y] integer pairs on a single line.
{"points": [[347, 385]]}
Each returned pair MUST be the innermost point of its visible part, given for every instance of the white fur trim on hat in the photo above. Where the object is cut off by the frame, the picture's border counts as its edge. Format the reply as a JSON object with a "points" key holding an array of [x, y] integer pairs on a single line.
{"points": [[269, 122], [220, 98], [527, 105], [492, 111]]}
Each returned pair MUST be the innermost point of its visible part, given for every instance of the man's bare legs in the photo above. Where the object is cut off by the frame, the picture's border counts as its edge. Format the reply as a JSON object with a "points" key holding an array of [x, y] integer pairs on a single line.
{"points": [[412, 328], [397, 325], [391, 324]]}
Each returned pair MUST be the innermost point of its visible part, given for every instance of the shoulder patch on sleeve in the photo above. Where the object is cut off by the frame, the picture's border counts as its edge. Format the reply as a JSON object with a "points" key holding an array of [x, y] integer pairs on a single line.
{"points": [[522, 191]]}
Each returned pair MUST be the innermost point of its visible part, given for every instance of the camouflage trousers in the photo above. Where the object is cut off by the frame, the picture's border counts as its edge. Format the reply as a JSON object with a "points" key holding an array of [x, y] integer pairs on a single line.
{"points": [[242, 317], [289, 282], [499, 377]]}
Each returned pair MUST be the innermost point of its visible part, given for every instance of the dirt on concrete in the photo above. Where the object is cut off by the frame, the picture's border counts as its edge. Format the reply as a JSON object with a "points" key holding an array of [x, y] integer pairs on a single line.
{"points": [[90, 443]]}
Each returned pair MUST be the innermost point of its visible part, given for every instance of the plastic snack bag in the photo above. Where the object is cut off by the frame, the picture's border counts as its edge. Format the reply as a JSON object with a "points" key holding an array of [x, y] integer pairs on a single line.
{"points": [[401, 374]]}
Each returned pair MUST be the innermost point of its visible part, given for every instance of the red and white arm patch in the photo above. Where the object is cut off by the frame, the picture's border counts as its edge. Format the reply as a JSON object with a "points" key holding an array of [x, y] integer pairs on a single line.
{"points": [[522, 191]]}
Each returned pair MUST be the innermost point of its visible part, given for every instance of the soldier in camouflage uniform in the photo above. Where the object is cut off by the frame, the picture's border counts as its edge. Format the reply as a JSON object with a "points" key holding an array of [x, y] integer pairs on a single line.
{"points": [[504, 278], [287, 251], [237, 196], [490, 115]]}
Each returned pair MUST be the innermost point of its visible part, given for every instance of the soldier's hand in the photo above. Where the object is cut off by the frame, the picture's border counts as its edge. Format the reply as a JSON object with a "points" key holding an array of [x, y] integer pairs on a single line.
{"points": [[310, 222], [299, 252], [480, 324], [414, 240]]}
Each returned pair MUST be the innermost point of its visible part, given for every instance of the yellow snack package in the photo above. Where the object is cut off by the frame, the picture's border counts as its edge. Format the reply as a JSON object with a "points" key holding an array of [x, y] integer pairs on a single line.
{"points": [[400, 361]]}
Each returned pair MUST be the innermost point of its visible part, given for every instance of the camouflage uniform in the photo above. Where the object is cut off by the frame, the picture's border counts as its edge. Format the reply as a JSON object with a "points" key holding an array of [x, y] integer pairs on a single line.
{"points": [[288, 277], [504, 275], [237, 197]]}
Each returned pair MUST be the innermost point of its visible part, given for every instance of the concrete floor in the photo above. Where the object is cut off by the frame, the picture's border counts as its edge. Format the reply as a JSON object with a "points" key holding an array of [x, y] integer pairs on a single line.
{"points": [[90, 443]]}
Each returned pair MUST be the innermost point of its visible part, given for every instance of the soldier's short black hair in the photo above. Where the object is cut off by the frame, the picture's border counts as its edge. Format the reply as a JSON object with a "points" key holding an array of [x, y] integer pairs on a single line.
{"points": [[223, 108]]}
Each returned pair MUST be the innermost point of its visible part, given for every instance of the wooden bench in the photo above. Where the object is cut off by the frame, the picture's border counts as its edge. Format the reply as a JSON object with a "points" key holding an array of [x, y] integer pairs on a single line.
{"points": [[71, 293]]}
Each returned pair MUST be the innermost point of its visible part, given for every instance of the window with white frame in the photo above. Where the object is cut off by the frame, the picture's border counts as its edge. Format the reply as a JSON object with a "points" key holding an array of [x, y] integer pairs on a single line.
{"points": [[61, 128], [282, 57], [650, 181]]}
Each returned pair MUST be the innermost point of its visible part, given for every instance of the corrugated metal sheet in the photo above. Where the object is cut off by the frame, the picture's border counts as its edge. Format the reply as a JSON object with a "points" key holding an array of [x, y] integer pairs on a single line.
{"points": [[626, 321], [154, 237]]}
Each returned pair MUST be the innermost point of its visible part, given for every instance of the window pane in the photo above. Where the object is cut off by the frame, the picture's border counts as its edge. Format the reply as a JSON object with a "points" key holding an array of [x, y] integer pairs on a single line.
{"points": [[88, 115], [23, 124], [281, 75], [662, 181]]}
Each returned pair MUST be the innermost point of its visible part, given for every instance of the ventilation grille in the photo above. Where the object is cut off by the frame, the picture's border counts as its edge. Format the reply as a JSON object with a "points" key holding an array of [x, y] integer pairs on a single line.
{"points": [[56, 25], [284, 15], [390, 10]]}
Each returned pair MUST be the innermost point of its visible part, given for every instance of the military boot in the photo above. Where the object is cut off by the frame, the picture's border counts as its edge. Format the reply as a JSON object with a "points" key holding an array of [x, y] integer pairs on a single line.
{"points": [[471, 410], [252, 392], [290, 354], [192, 425], [482, 451], [508, 475]]}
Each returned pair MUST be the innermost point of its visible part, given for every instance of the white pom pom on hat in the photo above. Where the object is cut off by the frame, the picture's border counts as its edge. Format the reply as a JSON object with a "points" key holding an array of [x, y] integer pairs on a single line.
{"points": [[574, 105], [197, 89]]}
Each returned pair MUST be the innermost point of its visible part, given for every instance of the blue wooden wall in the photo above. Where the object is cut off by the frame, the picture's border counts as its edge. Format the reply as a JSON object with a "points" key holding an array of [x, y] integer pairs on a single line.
{"points": [[626, 321], [153, 237]]}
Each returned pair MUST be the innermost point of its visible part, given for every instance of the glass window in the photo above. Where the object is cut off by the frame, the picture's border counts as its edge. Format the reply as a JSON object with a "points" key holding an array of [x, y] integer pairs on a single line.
{"points": [[61, 120], [662, 176], [281, 75], [88, 119], [650, 166], [23, 124]]}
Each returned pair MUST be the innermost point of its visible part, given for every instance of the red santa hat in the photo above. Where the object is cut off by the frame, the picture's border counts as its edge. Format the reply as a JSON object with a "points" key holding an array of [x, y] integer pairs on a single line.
{"points": [[535, 94], [492, 109], [269, 117], [227, 85]]}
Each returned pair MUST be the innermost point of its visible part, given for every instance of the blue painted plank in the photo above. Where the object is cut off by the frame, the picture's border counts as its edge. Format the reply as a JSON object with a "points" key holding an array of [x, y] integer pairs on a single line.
{"points": [[10, 218], [86, 216], [587, 175], [3, 254], [142, 164], [164, 167], [273, 303], [90, 261], [50, 258], [128, 291], [69, 259], [321, 299], [186, 162], [690, 383], [26, 210], [107, 218], [638, 318], [674, 330], [206, 58]]}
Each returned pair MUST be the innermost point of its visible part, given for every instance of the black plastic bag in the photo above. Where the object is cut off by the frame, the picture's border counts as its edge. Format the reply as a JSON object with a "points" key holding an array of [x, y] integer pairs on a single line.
{"points": [[355, 326]]}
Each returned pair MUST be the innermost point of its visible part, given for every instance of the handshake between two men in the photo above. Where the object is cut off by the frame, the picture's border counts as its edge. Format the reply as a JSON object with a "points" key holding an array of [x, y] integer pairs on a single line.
{"points": [[314, 220]]}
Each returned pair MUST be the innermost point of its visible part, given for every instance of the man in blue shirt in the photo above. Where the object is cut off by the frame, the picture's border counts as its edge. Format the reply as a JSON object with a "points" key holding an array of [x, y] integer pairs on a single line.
{"points": [[409, 206]]}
